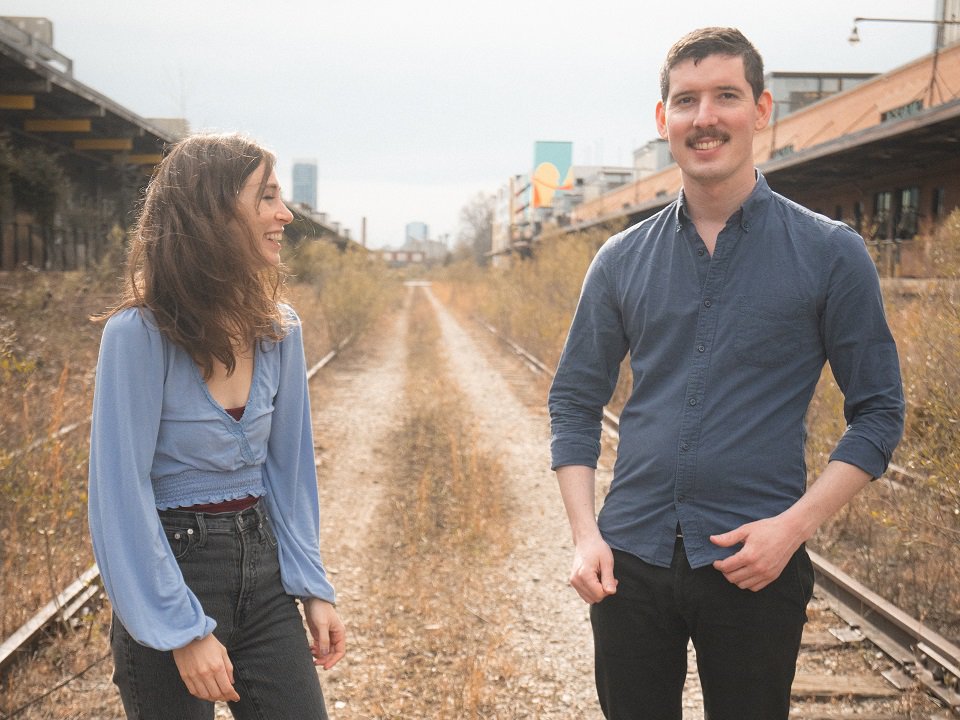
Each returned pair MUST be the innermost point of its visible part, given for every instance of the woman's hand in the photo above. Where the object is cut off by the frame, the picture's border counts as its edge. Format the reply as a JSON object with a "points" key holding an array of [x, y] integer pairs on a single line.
{"points": [[206, 670], [327, 631]]}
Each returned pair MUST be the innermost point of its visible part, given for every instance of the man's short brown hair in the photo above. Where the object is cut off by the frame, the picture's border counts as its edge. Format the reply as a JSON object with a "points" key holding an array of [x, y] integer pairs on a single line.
{"points": [[708, 41]]}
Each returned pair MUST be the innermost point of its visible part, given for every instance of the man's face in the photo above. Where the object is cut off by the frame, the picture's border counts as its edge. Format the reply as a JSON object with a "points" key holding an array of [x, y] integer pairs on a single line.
{"points": [[710, 117]]}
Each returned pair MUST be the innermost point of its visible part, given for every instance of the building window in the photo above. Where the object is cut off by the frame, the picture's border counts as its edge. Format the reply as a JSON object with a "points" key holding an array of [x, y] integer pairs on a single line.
{"points": [[908, 214], [938, 204], [882, 204], [838, 212], [858, 216]]}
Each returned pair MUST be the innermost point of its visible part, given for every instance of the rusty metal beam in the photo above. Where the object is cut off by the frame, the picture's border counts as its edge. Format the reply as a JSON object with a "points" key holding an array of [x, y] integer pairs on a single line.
{"points": [[18, 102], [103, 144], [40, 126]]}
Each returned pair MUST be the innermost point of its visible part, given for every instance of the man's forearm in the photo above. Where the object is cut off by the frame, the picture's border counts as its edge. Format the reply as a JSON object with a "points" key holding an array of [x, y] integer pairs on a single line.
{"points": [[835, 487], [577, 487]]}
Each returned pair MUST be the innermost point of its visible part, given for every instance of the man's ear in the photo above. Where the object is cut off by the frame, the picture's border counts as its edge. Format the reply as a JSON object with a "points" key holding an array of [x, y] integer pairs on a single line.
{"points": [[661, 119], [764, 109]]}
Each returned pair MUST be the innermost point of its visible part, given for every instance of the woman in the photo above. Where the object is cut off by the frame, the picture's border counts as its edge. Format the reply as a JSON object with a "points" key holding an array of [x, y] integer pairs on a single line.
{"points": [[203, 499]]}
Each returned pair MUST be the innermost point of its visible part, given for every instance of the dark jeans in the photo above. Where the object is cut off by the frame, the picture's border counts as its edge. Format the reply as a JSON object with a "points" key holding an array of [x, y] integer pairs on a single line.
{"points": [[229, 561], [746, 642]]}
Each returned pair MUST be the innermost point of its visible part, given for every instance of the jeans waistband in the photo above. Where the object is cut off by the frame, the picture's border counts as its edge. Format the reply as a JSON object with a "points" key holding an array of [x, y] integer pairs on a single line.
{"points": [[252, 517]]}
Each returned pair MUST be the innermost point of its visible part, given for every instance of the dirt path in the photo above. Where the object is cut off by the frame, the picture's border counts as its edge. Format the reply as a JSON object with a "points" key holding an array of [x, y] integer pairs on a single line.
{"points": [[547, 631], [355, 404], [550, 632]]}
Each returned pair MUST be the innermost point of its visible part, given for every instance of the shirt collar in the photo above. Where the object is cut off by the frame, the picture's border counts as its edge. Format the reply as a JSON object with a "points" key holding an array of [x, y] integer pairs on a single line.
{"points": [[753, 207]]}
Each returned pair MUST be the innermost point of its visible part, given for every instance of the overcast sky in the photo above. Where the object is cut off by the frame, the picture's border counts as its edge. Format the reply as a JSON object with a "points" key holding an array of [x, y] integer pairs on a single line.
{"points": [[412, 107]]}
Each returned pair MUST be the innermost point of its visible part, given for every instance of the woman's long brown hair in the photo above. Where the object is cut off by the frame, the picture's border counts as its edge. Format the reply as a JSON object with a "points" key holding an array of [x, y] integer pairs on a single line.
{"points": [[194, 262]]}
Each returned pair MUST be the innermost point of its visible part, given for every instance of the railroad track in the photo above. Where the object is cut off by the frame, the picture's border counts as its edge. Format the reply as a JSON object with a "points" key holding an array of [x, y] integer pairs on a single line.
{"points": [[78, 594], [920, 654]]}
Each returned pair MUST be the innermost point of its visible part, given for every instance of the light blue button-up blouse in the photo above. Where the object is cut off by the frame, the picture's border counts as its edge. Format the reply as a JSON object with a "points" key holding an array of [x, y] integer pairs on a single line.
{"points": [[159, 440]]}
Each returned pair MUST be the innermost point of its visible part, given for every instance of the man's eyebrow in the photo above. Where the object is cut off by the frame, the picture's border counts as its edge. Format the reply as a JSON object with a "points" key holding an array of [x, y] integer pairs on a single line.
{"points": [[725, 88]]}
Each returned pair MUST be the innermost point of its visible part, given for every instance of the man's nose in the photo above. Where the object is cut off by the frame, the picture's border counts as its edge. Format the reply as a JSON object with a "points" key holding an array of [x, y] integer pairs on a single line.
{"points": [[706, 114]]}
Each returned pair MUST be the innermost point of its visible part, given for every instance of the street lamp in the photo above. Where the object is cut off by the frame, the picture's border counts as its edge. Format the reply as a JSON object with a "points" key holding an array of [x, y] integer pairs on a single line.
{"points": [[937, 46], [855, 34]]}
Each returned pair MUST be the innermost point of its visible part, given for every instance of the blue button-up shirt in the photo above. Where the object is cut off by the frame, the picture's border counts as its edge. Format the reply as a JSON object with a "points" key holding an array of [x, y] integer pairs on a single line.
{"points": [[726, 351]]}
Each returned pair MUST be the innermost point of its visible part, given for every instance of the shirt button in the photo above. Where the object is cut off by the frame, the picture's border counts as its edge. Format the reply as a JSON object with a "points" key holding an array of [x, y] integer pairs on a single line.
{"points": [[701, 252], [692, 401], [701, 348], [684, 446], [707, 303], [681, 498]]}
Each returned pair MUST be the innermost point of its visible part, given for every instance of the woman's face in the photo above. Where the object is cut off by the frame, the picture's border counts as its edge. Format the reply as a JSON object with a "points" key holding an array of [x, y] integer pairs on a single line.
{"points": [[266, 215]]}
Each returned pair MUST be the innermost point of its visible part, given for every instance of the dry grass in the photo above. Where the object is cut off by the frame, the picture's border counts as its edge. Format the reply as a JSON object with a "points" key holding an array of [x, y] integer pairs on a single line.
{"points": [[427, 645], [532, 301], [351, 288], [46, 371], [47, 356], [904, 539]]}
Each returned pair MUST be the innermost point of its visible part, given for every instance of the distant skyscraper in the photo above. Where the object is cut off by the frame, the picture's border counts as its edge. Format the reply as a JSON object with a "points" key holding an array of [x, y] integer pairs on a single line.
{"points": [[417, 232], [305, 182]]}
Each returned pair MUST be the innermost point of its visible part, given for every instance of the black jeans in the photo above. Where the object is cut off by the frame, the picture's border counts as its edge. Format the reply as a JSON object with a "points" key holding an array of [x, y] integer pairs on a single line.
{"points": [[746, 642], [229, 560]]}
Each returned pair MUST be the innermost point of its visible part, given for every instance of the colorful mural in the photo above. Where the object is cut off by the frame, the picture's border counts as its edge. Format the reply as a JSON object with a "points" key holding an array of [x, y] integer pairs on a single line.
{"points": [[553, 171]]}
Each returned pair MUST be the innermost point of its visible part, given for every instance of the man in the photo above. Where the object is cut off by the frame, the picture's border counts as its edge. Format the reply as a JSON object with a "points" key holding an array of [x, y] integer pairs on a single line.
{"points": [[729, 302]]}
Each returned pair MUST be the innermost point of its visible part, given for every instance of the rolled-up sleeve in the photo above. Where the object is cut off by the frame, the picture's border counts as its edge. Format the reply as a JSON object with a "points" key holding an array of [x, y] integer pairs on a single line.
{"points": [[290, 475], [139, 572], [863, 357], [588, 369]]}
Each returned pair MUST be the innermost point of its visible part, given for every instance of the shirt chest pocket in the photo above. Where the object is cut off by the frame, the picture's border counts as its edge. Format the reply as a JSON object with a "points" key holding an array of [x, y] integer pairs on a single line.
{"points": [[768, 329]]}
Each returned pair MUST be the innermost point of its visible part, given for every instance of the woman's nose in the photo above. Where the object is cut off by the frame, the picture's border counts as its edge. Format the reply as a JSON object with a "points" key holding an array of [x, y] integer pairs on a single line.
{"points": [[284, 215]]}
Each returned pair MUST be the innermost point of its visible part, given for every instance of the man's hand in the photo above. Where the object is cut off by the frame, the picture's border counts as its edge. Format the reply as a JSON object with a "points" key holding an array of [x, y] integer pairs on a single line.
{"points": [[206, 670], [327, 632], [768, 546], [592, 573]]}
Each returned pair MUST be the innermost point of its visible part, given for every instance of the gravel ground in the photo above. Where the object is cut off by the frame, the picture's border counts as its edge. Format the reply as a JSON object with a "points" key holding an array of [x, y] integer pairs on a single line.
{"points": [[550, 633]]}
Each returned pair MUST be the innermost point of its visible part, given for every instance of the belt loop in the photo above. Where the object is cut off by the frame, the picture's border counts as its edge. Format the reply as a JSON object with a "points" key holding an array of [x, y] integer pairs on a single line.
{"points": [[201, 529], [261, 519]]}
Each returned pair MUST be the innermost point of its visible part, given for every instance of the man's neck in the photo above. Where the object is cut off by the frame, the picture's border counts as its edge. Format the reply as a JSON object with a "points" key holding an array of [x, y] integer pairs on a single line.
{"points": [[714, 203], [710, 205]]}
